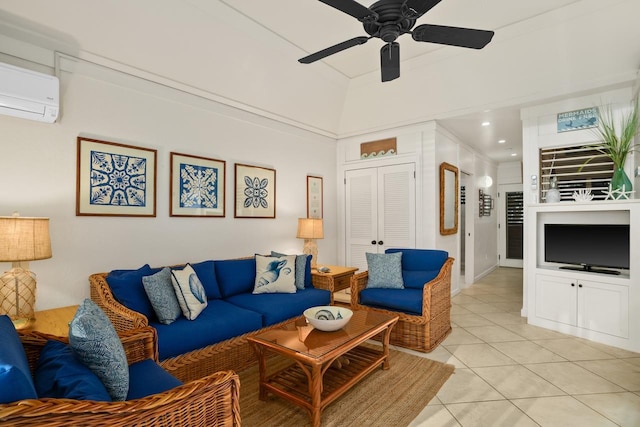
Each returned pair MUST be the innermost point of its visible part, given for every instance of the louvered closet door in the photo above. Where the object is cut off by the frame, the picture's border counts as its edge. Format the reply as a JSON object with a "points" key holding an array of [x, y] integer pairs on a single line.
{"points": [[381, 211]]}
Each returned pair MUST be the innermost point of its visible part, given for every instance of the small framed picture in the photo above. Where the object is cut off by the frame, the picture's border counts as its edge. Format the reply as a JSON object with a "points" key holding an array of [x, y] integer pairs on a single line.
{"points": [[197, 186], [115, 179], [255, 195], [314, 197]]}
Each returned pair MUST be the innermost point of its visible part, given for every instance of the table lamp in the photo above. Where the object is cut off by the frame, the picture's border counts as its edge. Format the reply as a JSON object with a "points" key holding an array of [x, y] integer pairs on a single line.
{"points": [[22, 239], [310, 229]]}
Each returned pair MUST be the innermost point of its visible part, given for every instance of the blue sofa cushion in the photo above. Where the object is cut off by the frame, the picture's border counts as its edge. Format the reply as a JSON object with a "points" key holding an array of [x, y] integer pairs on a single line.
{"points": [[15, 377], [128, 290], [308, 284], [406, 300], [60, 374], [420, 266], [218, 322], [206, 272], [236, 276], [148, 378], [276, 308]]}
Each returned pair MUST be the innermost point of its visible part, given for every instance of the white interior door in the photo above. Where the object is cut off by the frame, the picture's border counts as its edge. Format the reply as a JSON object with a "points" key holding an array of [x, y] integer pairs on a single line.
{"points": [[510, 225], [361, 215]]}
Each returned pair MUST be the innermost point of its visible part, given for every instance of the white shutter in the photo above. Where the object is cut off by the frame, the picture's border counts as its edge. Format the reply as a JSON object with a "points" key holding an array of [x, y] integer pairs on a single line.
{"points": [[397, 212], [361, 215]]}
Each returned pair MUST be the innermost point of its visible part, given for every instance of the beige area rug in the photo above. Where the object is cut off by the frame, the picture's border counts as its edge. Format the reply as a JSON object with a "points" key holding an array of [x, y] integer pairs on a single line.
{"points": [[383, 398]]}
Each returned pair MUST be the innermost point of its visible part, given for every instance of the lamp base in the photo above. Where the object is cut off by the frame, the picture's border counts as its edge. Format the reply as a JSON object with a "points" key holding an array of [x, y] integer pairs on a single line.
{"points": [[311, 248], [18, 296]]}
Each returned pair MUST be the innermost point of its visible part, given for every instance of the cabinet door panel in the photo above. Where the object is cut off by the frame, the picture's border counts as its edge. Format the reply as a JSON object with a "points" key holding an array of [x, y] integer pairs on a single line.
{"points": [[603, 307], [361, 215], [397, 209], [556, 299]]}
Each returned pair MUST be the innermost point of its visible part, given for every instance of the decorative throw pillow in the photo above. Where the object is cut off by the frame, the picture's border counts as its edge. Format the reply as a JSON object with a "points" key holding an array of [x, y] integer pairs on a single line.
{"points": [[15, 376], [385, 270], [190, 292], [96, 343], [275, 275], [301, 265], [159, 289]]}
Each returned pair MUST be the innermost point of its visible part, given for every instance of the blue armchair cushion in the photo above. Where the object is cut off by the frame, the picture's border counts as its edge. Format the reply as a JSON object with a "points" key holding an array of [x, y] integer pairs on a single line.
{"points": [[236, 276], [276, 308], [218, 322], [301, 268], [128, 290], [420, 266], [96, 343], [60, 374], [206, 271], [15, 377], [148, 378], [406, 300], [162, 296], [385, 270]]}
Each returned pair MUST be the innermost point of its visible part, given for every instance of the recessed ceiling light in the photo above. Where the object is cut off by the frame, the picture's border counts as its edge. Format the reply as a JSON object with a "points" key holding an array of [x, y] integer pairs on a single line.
{"points": [[502, 141], [513, 154], [486, 123]]}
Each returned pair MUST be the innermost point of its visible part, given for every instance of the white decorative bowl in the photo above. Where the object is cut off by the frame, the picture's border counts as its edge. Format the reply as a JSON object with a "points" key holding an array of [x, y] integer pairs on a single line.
{"points": [[328, 318]]}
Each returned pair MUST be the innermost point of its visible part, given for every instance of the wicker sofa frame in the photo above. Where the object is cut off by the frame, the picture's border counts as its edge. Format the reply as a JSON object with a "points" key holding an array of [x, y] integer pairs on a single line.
{"points": [[234, 354], [422, 333], [210, 401]]}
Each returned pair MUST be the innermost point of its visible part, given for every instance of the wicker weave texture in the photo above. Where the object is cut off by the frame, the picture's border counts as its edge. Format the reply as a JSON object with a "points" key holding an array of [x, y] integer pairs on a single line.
{"points": [[210, 401], [422, 333]]}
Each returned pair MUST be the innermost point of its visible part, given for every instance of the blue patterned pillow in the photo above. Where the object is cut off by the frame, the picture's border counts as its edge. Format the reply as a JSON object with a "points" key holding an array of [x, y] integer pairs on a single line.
{"points": [[96, 343], [159, 289], [275, 275], [301, 267], [385, 270], [189, 291]]}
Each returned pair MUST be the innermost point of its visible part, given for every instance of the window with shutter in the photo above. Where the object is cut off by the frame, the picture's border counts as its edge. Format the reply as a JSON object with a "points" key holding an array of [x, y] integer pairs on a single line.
{"points": [[575, 167]]}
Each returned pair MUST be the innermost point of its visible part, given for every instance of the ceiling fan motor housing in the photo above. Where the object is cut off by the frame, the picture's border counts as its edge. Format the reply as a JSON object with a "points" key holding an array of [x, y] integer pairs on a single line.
{"points": [[391, 22]]}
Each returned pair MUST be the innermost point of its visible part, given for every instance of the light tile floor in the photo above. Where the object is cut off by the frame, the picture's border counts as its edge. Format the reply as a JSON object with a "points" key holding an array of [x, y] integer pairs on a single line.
{"points": [[512, 374]]}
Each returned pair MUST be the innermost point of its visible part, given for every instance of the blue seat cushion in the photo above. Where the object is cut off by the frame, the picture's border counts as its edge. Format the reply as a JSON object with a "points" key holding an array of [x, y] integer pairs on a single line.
{"points": [[206, 272], [218, 322], [420, 266], [148, 378], [15, 377], [406, 300], [128, 290], [236, 276], [60, 374], [276, 308]]}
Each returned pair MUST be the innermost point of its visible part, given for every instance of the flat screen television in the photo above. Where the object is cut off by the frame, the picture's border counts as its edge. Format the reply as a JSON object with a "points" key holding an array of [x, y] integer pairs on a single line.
{"points": [[588, 246]]}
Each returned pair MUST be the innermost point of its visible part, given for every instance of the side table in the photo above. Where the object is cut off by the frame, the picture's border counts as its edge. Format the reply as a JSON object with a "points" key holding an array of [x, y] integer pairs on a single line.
{"points": [[337, 279], [54, 321]]}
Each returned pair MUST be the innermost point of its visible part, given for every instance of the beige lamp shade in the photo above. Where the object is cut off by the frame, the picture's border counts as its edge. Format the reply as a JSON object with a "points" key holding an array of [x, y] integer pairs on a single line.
{"points": [[24, 239], [310, 228]]}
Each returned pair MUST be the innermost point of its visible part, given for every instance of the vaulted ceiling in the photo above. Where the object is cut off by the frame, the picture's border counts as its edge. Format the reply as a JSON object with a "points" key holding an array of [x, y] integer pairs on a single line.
{"points": [[245, 52]]}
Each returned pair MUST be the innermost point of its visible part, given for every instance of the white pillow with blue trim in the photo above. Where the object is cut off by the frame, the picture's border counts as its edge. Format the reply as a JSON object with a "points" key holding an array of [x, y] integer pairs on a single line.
{"points": [[189, 291], [275, 275]]}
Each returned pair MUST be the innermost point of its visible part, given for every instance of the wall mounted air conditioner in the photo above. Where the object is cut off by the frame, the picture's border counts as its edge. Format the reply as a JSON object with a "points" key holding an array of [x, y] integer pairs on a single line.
{"points": [[29, 94]]}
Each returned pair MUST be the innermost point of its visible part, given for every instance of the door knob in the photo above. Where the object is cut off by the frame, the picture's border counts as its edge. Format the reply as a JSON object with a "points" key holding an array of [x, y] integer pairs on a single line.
{"points": [[373, 242], [380, 242]]}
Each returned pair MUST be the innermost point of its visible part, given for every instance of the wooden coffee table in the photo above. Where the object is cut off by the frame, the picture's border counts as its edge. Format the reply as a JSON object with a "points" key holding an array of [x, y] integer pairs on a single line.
{"points": [[327, 364]]}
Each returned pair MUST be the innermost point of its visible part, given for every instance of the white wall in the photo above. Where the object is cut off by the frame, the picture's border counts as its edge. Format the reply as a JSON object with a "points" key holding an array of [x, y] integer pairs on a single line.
{"points": [[39, 179]]}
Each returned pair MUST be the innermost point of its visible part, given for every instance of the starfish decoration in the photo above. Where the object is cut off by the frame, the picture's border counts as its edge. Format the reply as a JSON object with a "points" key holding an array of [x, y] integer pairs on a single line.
{"points": [[618, 194]]}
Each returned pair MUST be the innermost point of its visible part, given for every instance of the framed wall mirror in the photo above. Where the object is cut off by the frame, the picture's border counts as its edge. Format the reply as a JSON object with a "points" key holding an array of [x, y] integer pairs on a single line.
{"points": [[448, 199]]}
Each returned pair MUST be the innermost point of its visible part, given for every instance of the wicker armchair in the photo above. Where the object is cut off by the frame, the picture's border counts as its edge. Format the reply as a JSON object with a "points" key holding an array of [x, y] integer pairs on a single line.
{"points": [[210, 401], [417, 332]]}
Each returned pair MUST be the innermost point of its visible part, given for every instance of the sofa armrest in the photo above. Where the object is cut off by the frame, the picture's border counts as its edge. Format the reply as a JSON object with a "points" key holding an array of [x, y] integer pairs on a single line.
{"points": [[358, 283], [439, 288], [122, 317], [140, 344]]}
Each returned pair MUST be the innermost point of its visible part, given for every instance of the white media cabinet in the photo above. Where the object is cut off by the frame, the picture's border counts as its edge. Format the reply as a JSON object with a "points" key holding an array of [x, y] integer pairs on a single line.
{"points": [[599, 307]]}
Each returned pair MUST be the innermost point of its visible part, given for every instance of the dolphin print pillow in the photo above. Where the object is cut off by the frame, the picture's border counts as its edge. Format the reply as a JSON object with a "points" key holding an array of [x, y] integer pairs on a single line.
{"points": [[189, 291], [275, 275]]}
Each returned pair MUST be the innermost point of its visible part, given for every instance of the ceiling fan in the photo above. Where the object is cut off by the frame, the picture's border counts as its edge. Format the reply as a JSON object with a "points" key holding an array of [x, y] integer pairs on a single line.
{"points": [[389, 19]]}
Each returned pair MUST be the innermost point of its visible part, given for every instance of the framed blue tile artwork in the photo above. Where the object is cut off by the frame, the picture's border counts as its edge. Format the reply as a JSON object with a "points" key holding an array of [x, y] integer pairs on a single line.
{"points": [[115, 179], [255, 192], [197, 186]]}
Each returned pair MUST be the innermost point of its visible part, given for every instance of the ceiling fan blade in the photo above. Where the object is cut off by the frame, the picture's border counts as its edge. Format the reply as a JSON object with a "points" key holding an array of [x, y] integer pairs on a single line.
{"points": [[390, 61], [452, 36], [353, 8], [333, 49], [413, 9]]}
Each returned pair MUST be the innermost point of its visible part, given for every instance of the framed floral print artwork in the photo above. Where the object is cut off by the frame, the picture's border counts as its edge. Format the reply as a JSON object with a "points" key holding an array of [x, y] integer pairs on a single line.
{"points": [[255, 195], [197, 186], [115, 179]]}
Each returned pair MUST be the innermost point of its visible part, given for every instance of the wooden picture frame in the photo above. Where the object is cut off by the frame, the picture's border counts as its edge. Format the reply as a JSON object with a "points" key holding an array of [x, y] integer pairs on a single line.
{"points": [[315, 197], [115, 179], [197, 186], [255, 192], [448, 199]]}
